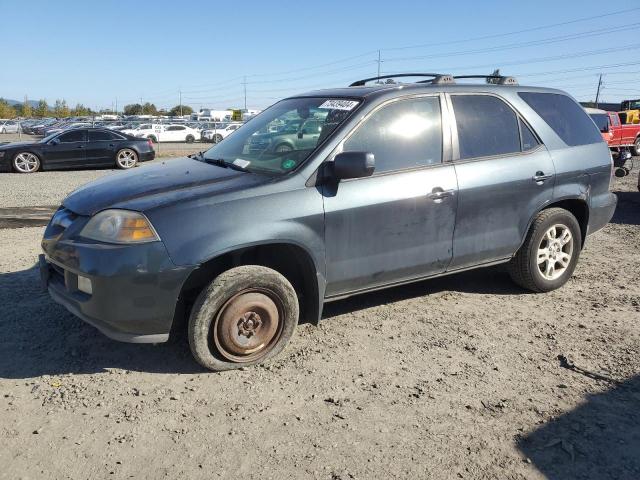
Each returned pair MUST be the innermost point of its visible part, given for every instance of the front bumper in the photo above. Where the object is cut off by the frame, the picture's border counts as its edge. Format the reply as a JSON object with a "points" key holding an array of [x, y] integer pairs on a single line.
{"points": [[135, 288]]}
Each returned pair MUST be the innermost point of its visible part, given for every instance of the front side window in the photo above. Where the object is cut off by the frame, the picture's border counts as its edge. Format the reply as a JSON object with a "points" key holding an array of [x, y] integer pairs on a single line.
{"points": [[567, 119], [403, 134], [262, 146], [487, 126], [73, 136]]}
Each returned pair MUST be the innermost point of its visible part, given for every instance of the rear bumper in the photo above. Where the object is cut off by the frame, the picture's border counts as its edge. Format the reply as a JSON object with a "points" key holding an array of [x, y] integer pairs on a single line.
{"points": [[601, 212], [146, 156], [135, 289]]}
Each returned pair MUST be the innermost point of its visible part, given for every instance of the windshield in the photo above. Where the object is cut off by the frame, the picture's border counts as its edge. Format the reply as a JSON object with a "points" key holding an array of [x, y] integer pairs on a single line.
{"points": [[282, 137], [601, 120]]}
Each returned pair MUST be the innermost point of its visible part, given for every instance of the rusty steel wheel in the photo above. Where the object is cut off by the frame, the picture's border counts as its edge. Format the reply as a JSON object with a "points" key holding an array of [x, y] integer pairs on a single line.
{"points": [[245, 316], [248, 325]]}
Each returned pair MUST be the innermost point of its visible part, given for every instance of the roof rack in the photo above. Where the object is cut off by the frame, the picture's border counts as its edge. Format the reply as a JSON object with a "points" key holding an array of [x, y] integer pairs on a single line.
{"points": [[437, 78], [502, 80]]}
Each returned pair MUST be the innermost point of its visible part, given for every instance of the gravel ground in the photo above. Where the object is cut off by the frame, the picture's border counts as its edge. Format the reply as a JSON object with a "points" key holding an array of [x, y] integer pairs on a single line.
{"points": [[459, 377]]}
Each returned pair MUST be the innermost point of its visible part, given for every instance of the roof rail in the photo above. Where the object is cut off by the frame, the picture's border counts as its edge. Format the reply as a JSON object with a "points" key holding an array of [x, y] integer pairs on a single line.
{"points": [[436, 78], [502, 80]]}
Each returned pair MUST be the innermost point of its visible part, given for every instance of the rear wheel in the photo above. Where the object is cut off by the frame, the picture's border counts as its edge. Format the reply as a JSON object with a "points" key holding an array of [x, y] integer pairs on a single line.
{"points": [[217, 138], [126, 159], [26, 162], [550, 252], [244, 317], [190, 139], [635, 150]]}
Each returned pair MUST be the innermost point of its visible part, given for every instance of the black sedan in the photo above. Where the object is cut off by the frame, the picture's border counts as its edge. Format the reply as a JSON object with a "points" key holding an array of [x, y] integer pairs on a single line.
{"points": [[81, 147]]}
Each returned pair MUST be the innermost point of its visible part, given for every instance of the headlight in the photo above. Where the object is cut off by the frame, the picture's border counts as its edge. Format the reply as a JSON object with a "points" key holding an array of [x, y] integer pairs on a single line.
{"points": [[120, 226]]}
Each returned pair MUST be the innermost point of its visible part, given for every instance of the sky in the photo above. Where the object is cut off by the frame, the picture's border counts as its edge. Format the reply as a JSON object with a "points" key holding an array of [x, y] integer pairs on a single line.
{"points": [[100, 52]]}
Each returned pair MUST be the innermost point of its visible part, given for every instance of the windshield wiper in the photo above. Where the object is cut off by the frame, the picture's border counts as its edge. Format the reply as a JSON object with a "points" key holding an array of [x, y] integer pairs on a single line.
{"points": [[221, 162]]}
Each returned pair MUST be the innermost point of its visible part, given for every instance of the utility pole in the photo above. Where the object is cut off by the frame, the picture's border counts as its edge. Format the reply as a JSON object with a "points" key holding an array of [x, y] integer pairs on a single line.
{"points": [[244, 84], [141, 107], [180, 103], [116, 105], [379, 62], [598, 91]]}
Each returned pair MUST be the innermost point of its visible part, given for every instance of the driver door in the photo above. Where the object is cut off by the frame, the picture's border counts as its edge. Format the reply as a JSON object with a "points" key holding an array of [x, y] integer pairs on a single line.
{"points": [[67, 150]]}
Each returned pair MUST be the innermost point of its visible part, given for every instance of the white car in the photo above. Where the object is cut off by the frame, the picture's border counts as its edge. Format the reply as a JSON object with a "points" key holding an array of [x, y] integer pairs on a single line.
{"points": [[216, 136], [177, 133], [142, 130], [10, 126]]}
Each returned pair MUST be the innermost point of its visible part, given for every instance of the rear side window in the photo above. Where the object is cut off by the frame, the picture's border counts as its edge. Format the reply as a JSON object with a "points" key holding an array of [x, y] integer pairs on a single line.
{"points": [[95, 135], [403, 134], [564, 116], [527, 138], [487, 126]]}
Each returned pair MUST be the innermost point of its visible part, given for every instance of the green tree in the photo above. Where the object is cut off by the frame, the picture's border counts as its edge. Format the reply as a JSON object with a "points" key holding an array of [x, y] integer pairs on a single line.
{"points": [[26, 109], [133, 109], [42, 110], [80, 110], [175, 111], [61, 109], [6, 110], [149, 109]]}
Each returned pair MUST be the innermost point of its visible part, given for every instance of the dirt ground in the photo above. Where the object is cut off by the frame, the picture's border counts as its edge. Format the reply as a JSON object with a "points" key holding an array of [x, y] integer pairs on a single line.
{"points": [[466, 376]]}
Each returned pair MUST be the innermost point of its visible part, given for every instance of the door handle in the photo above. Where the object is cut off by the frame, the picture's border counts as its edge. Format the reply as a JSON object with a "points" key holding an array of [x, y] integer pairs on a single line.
{"points": [[540, 177], [438, 194], [80, 146]]}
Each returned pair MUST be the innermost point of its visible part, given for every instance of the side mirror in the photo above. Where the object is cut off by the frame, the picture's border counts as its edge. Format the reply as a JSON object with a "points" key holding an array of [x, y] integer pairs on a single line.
{"points": [[353, 165]]}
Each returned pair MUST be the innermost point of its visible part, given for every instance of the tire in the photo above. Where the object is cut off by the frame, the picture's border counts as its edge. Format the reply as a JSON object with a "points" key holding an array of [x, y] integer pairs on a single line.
{"points": [[190, 139], [268, 309], [126, 159], [526, 267], [283, 148], [26, 162], [635, 150], [217, 138]]}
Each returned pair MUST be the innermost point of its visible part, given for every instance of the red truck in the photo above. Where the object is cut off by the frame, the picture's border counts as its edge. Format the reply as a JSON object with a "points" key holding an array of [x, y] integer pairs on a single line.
{"points": [[619, 136]]}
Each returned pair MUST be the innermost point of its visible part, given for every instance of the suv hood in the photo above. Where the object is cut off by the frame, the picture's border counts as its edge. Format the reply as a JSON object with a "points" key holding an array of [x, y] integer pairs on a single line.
{"points": [[151, 186]]}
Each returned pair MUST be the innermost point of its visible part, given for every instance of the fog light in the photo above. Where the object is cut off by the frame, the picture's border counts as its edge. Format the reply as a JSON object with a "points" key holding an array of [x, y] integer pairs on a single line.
{"points": [[84, 285]]}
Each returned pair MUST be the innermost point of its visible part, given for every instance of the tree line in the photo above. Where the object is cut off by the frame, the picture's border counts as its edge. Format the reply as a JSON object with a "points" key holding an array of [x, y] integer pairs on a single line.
{"points": [[60, 109]]}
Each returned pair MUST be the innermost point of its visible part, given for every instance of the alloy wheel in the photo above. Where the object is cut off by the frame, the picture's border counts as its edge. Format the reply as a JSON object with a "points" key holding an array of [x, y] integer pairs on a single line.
{"points": [[127, 158], [555, 252], [26, 162]]}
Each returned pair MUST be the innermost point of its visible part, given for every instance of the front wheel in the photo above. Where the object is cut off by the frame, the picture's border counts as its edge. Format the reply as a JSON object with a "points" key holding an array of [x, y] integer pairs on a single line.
{"points": [[126, 159], [245, 316], [635, 150], [550, 252], [26, 162]]}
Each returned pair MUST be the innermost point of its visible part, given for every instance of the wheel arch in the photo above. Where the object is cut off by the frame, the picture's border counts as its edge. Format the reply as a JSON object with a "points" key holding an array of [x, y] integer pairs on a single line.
{"points": [[577, 206], [291, 260]]}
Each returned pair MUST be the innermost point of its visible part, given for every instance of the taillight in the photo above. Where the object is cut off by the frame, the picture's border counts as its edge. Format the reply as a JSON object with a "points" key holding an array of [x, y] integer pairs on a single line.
{"points": [[150, 143]]}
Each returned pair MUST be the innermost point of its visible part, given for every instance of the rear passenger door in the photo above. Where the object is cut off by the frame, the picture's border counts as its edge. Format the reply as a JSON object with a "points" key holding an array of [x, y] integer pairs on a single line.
{"points": [[398, 224], [101, 147], [504, 176]]}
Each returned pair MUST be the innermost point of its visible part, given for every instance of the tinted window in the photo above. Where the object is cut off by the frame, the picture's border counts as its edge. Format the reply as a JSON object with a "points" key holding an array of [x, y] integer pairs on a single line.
{"points": [[601, 120], [401, 135], [73, 136], [527, 138], [95, 135], [486, 126], [616, 120], [564, 116]]}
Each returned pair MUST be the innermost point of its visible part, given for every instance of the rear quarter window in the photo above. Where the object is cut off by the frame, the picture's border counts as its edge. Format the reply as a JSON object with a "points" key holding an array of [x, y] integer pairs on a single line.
{"points": [[565, 117]]}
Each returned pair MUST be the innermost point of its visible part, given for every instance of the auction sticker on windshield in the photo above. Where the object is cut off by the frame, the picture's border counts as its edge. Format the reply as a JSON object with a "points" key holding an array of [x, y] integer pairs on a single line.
{"points": [[339, 104]]}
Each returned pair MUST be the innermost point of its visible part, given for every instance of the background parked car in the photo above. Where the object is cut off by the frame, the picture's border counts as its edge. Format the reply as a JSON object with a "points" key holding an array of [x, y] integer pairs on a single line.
{"points": [[216, 135], [10, 126], [77, 147]]}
